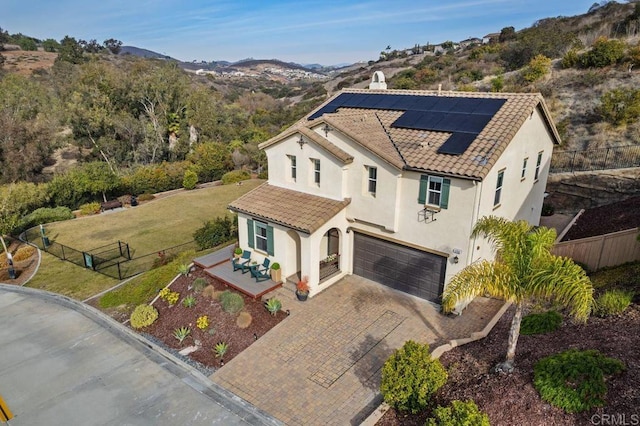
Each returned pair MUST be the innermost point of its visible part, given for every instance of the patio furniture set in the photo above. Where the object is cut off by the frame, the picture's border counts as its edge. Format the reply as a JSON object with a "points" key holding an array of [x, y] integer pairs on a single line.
{"points": [[258, 271]]}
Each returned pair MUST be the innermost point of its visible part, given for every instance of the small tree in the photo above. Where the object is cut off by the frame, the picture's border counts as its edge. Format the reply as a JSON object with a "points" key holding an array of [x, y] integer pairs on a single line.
{"points": [[524, 268]]}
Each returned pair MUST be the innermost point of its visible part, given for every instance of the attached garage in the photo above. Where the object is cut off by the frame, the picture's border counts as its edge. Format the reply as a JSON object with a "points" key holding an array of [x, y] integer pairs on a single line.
{"points": [[403, 268]]}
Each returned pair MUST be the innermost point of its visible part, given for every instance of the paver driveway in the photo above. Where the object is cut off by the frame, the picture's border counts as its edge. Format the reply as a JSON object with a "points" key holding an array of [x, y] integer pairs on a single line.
{"points": [[322, 365]]}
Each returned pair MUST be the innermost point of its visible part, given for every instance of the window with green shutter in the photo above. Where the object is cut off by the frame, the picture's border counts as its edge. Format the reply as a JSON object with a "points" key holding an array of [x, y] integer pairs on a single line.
{"points": [[434, 190], [260, 236]]}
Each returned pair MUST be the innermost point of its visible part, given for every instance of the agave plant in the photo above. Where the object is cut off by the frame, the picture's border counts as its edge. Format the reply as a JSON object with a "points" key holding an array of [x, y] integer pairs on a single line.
{"points": [[183, 269], [181, 333], [189, 301], [273, 305], [220, 349]]}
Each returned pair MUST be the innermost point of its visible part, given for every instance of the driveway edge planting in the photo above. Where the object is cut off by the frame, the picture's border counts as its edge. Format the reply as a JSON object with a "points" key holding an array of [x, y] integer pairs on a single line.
{"points": [[437, 353]]}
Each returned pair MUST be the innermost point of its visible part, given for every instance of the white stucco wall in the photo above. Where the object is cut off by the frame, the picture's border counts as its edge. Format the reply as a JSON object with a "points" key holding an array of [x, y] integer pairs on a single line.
{"points": [[393, 212], [521, 198], [280, 168]]}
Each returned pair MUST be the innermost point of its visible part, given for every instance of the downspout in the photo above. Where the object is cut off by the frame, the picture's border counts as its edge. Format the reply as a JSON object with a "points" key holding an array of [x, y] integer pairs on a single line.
{"points": [[474, 220]]}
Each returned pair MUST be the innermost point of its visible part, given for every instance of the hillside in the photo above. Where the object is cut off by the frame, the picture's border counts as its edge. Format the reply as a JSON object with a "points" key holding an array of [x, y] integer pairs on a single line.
{"points": [[589, 83]]}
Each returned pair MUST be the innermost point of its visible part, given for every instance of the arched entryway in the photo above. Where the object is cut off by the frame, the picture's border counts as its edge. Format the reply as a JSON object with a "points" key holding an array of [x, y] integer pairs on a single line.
{"points": [[329, 254]]}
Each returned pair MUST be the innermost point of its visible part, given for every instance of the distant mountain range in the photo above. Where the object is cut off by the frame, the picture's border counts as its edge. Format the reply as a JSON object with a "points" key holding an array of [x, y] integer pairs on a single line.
{"points": [[226, 65]]}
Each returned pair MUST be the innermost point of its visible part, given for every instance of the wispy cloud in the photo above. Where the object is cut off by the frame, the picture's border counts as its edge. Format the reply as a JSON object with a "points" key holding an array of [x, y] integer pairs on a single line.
{"points": [[314, 30]]}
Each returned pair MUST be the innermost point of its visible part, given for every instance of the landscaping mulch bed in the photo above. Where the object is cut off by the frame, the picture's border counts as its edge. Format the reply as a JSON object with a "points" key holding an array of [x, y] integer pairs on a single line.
{"points": [[606, 219], [511, 399], [222, 323]]}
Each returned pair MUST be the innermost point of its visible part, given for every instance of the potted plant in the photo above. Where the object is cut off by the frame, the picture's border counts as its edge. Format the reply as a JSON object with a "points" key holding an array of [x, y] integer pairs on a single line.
{"points": [[276, 272], [302, 289], [237, 252]]}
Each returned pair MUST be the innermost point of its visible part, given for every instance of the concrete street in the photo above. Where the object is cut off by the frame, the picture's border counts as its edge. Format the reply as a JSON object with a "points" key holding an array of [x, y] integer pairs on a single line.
{"points": [[62, 362]]}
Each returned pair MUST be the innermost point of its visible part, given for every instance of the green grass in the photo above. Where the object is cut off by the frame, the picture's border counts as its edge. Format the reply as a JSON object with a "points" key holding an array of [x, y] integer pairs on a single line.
{"points": [[62, 277], [625, 276], [152, 226], [143, 288]]}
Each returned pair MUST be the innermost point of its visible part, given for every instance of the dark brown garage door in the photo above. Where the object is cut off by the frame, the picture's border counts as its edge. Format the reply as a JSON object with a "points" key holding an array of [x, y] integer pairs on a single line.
{"points": [[404, 268]]}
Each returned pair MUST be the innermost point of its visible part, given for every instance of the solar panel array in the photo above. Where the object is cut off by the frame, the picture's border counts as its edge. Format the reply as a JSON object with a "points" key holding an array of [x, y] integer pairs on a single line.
{"points": [[464, 118]]}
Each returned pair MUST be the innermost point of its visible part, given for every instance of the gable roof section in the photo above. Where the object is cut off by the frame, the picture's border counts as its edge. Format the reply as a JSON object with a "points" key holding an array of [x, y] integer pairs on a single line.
{"points": [[461, 138], [297, 210], [332, 149]]}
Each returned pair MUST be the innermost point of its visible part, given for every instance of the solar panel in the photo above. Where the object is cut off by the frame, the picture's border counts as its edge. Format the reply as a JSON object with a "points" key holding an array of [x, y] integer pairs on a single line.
{"points": [[457, 143], [463, 117], [489, 106]]}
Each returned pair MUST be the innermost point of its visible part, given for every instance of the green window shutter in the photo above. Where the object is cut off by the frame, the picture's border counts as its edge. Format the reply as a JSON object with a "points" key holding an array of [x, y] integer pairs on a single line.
{"points": [[444, 198], [250, 232], [270, 240], [422, 194]]}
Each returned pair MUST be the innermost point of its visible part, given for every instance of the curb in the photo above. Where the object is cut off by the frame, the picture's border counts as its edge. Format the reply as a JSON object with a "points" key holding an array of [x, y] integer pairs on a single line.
{"points": [[155, 353], [437, 353]]}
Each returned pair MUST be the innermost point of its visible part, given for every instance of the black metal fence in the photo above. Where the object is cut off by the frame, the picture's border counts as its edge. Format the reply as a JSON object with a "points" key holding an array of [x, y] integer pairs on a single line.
{"points": [[620, 157], [113, 260]]}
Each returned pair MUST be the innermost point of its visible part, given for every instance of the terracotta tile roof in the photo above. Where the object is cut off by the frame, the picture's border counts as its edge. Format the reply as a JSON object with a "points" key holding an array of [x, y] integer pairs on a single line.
{"points": [[293, 209], [418, 149]]}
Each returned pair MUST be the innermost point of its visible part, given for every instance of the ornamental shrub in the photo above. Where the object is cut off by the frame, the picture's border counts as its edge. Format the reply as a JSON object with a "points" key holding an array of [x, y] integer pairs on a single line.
{"points": [[216, 232], [190, 179], [410, 377], [574, 380], [459, 414], [202, 322], [90, 208], [46, 215], [244, 319], [199, 284], [540, 323], [231, 302], [235, 176], [146, 197], [143, 316], [613, 302]]}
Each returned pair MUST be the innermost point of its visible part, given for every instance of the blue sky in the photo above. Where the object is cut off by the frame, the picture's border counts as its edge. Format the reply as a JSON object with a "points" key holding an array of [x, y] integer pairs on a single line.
{"points": [[326, 31]]}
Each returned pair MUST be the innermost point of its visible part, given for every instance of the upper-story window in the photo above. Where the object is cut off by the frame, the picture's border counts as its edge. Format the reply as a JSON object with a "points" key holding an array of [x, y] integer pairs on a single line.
{"points": [[538, 163], [292, 164], [499, 183], [316, 170], [523, 174], [434, 190], [372, 179]]}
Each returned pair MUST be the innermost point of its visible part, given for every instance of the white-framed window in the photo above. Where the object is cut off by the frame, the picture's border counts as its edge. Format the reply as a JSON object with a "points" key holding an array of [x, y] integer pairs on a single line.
{"points": [[261, 235], [523, 174], [293, 167], [372, 180], [316, 170], [434, 190], [538, 163], [499, 183]]}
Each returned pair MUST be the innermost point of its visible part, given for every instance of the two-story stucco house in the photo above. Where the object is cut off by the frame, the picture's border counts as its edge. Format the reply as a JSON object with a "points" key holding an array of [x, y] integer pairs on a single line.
{"points": [[388, 184]]}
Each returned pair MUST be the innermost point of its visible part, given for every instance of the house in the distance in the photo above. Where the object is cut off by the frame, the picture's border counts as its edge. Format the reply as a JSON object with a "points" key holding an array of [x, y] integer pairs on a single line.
{"points": [[388, 184]]}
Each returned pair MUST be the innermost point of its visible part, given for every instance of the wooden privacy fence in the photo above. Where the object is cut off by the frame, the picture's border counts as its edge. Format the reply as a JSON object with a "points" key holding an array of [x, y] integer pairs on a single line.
{"points": [[602, 250]]}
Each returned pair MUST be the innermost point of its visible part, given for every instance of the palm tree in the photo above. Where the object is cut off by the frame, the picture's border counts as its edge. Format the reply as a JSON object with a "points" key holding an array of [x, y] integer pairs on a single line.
{"points": [[524, 269]]}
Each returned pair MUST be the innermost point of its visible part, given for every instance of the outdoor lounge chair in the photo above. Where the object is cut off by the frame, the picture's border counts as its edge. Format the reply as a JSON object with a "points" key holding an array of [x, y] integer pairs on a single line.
{"points": [[242, 262], [261, 272]]}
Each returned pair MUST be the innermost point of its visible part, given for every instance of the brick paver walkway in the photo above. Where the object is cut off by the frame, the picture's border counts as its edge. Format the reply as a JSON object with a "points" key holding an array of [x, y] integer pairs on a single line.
{"points": [[322, 365]]}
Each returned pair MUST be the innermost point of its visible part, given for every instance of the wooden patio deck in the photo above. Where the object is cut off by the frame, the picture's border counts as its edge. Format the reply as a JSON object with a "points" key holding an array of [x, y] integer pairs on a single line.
{"points": [[244, 283], [215, 258]]}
